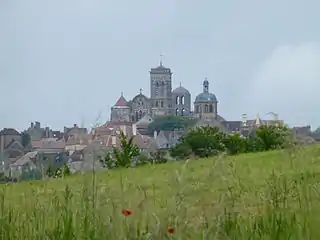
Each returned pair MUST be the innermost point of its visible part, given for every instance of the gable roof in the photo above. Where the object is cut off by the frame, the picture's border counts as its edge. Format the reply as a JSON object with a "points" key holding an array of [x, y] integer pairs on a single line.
{"points": [[14, 143], [48, 144], [122, 102], [9, 131], [145, 120]]}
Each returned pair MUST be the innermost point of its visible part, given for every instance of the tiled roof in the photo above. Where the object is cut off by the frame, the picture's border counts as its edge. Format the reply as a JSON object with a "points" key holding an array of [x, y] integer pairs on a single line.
{"points": [[48, 144], [9, 131], [106, 134], [122, 102]]}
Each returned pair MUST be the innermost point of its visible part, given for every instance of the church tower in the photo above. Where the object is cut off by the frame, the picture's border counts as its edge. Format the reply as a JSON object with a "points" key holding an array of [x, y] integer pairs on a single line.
{"points": [[161, 90]]}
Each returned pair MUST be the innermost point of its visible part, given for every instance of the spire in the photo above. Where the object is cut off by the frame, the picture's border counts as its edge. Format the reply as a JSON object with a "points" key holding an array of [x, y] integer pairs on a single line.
{"points": [[161, 55], [140, 91], [258, 121], [205, 85], [180, 84], [121, 101]]}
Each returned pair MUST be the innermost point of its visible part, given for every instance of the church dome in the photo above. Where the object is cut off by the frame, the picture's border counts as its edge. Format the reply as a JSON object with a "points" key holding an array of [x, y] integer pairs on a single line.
{"points": [[181, 90], [206, 97]]}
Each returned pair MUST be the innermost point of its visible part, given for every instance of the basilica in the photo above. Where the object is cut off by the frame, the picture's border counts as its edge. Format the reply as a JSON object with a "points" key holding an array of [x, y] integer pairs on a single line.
{"points": [[165, 101]]}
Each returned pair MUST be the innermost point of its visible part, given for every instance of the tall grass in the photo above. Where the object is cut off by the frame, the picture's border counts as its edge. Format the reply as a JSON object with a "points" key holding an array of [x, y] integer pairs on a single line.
{"points": [[256, 196]]}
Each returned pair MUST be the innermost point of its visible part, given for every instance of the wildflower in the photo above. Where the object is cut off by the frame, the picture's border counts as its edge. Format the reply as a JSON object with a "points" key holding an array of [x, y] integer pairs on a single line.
{"points": [[170, 230], [126, 212]]}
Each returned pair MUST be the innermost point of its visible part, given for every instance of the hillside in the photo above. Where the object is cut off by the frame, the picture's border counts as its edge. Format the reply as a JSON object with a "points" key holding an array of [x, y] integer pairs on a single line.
{"points": [[267, 195]]}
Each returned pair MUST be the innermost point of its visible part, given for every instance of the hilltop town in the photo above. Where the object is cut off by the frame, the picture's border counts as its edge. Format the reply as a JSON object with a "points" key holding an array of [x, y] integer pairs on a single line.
{"points": [[76, 146]]}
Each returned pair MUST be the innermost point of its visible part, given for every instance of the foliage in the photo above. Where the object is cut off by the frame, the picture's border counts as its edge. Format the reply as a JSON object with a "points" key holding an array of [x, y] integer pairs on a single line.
{"points": [[168, 123], [203, 141], [270, 195], [49, 171], [209, 141], [59, 172], [181, 151], [30, 174], [235, 144], [125, 155], [25, 139], [158, 157], [273, 137], [107, 161]]}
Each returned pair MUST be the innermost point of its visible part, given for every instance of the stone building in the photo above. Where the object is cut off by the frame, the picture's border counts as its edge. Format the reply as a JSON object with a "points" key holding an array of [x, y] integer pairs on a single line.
{"points": [[162, 100], [165, 101]]}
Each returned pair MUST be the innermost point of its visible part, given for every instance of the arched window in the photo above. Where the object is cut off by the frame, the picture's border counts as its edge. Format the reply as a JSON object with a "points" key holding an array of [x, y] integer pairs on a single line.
{"points": [[197, 109], [137, 116], [177, 112], [206, 108], [177, 100], [211, 108], [161, 103], [182, 100], [140, 114], [182, 111]]}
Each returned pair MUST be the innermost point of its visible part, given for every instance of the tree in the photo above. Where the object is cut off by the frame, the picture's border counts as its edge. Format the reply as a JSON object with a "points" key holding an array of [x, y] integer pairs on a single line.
{"points": [[235, 144], [127, 153], [181, 151], [203, 141], [168, 123], [25, 139], [273, 137]]}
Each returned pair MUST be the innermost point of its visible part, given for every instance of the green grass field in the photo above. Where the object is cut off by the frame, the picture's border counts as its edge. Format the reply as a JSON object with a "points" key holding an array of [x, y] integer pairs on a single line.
{"points": [[272, 195]]}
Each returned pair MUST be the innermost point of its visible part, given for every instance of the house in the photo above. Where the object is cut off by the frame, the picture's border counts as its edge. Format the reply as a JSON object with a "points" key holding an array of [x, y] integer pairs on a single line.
{"points": [[10, 146], [48, 145], [77, 142], [36, 132], [109, 135], [88, 158]]}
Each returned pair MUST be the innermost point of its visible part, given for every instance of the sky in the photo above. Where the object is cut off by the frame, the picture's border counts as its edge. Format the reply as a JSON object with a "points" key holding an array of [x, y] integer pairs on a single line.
{"points": [[67, 61]]}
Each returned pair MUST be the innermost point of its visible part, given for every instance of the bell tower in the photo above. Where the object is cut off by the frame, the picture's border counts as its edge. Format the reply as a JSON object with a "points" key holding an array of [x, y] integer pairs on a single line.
{"points": [[161, 90]]}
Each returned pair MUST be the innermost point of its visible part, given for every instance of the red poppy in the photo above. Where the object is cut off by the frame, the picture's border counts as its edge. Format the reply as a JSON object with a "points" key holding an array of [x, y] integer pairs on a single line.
{"points": [[170, 230], [126, 212]]}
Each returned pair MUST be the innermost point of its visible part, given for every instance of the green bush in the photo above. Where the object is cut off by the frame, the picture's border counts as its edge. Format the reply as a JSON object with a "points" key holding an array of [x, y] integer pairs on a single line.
{"points": [[209, 141]]}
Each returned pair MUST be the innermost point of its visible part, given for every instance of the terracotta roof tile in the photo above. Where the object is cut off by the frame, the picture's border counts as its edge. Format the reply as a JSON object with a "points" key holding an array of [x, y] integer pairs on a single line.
{"points": [[122, 102]]}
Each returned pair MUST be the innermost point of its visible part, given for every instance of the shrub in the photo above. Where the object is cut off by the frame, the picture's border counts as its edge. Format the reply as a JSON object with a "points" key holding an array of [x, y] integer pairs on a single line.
{"points": [[235, 144], [158, 157]]}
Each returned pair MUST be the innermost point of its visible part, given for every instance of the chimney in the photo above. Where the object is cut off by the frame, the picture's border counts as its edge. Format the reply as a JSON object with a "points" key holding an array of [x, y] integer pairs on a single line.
{"points": [[113, 141], [134, 129], [37, 125], [32, 125], [155, 134]]}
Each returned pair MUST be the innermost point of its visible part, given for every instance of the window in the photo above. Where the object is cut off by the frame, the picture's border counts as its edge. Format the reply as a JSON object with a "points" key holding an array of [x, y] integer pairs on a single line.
{"points": [[206, 108], [177, 112], [197, 109], [182, 100], [182, 112], [161, 103], [211, 108], [177, 100], [157, 104]]}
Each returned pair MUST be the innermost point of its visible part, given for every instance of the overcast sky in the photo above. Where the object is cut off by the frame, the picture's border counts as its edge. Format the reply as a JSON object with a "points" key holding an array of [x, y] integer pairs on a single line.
{"points": [[67, 61]]}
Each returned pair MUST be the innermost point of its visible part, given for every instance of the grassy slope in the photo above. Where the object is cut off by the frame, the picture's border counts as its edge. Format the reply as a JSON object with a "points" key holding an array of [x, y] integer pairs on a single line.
{"points": [[262, 196]]}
